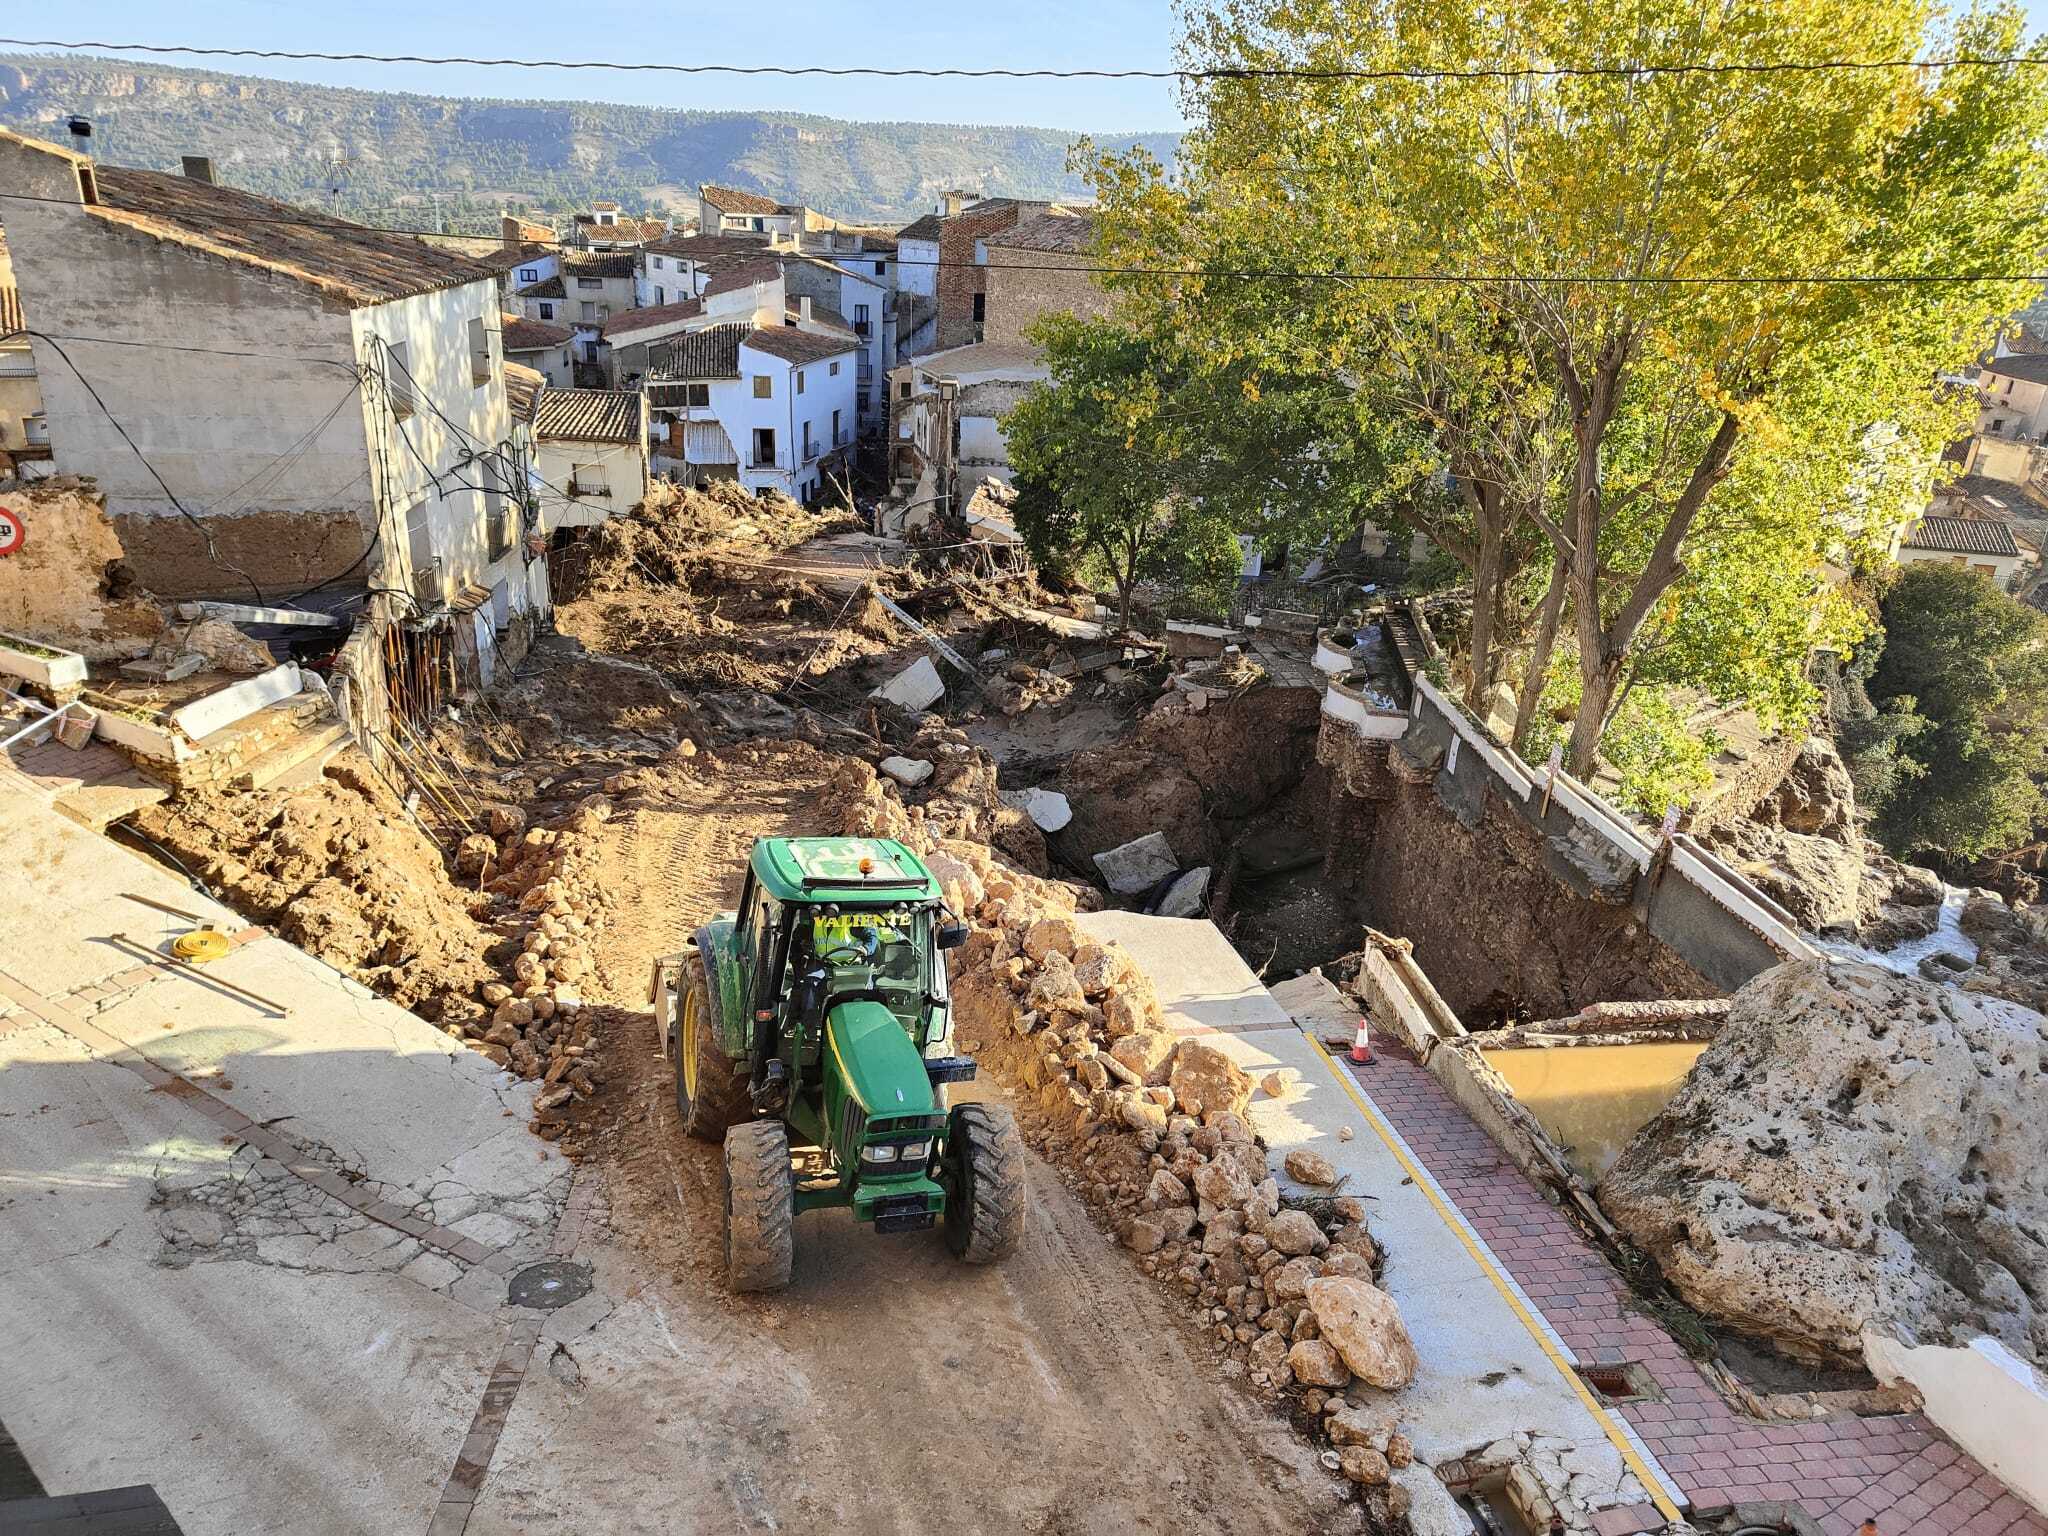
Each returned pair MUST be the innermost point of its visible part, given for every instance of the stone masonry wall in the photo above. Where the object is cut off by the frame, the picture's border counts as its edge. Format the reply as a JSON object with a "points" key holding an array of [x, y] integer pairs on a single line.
{"points": [[1019, 293]]}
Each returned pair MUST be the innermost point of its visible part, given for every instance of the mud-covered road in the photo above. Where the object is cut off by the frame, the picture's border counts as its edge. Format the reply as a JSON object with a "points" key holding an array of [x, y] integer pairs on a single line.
{"points": [[890, 1388]]}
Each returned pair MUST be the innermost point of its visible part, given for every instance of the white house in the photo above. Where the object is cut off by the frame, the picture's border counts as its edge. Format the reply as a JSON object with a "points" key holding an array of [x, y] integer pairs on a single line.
{"points": [[590, 454], [945, 423], [863, 302], [677, 267], [541, 346], [917, 284], [272, 406], [769, 406], [2012, 419], [1982, 544]]}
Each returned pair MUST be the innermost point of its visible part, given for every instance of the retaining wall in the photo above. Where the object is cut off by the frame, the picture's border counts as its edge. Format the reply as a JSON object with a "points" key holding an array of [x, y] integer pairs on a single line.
{"points": [[1685, 897]]}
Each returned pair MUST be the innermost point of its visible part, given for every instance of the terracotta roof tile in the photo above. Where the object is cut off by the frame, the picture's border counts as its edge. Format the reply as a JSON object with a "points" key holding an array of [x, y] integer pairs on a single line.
{"points": [[1961, 536], [1047, 232], [713, 353], [589, 415], [736, 200], [354, 261], [795, 346], [651, 317], [524, 335]]}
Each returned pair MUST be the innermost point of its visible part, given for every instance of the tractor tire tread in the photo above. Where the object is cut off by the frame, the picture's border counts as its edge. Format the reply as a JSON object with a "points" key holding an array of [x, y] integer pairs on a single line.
{"points": [[722, 1100], [993, 1169], [760, 1207]]}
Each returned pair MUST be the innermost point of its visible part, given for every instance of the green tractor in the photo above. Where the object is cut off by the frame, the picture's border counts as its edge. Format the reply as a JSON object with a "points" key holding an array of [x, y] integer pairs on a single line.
{"points": [[811, 1031]]}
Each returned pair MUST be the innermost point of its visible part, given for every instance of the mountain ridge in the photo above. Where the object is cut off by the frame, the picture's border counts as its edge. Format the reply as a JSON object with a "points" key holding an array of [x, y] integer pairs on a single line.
{"points": [[376, 155]]}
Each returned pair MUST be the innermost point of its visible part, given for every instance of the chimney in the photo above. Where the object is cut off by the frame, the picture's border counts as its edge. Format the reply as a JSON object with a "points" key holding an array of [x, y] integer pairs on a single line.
{"points": [[80, 129], [803, 309], [199, 168], [955, 201]]}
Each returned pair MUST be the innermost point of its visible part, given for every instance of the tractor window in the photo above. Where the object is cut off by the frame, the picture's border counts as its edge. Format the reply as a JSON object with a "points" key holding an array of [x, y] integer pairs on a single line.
{"points": [[887, 945]]}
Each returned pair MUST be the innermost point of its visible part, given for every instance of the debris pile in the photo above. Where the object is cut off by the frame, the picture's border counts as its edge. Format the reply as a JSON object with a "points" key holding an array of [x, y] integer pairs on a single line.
{"points": [[1855, 1149], [1156, 1132], [530, 1019], [340, 869]]}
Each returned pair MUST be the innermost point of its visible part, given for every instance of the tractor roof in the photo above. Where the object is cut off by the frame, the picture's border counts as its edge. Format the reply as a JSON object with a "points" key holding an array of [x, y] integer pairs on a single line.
{"points": [[852, 870]]}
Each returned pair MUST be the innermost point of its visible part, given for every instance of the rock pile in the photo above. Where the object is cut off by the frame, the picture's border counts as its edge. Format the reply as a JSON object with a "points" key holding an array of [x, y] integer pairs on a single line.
{"points": [[530, 1021], [1856, 1149], [1156, 1133]]}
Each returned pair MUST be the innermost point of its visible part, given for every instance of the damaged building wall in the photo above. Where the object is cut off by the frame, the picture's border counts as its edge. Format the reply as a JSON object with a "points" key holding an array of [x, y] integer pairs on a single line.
{"points": [[263, 441], [68, 583]]}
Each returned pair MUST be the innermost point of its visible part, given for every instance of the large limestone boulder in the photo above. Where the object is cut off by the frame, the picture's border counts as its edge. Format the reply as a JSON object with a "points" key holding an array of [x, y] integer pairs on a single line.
{"points": [[1364, 1325], [1855, 1149]]}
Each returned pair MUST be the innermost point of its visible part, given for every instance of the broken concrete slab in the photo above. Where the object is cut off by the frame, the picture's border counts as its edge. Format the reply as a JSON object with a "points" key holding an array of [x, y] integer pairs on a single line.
{"points": [[1047, 808], [1137, 865], [1188, 896], [907, 771], [917, 687]]}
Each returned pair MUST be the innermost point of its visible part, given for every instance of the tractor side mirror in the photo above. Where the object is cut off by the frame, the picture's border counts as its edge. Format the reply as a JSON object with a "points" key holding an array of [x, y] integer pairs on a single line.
{"points": [[952, 935]]}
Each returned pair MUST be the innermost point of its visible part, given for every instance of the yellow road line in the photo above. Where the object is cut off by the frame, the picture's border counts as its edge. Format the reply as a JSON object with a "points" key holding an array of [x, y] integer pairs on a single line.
{"points": [[1452, 1219]]}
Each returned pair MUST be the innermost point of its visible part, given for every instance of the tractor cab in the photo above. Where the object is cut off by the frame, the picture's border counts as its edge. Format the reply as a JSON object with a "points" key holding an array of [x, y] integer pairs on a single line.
{"points": [[816, 1016]]}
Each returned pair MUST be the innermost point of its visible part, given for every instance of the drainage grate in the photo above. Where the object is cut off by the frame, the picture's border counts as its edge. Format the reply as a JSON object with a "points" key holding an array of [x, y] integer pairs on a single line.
{"points": [[550, 1284]]}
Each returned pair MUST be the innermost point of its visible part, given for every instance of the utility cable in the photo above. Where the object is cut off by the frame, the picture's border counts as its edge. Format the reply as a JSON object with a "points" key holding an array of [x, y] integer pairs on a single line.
{"points": [[936, 72], [205, 534], [1343, 275]]}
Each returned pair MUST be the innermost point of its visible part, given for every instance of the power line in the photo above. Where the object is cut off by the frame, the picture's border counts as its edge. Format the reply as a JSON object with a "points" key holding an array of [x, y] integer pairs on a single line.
{"points": [[1243, 72], [205, 533], [1251, 274]]}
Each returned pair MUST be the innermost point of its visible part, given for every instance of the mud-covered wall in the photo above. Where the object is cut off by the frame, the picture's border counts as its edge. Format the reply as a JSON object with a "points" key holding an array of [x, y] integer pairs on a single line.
{"points": [[66, 584]]}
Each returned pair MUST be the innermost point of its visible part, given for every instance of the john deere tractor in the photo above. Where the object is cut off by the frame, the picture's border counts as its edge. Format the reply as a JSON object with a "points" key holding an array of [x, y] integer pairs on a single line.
{"points": [[810, 1030]]}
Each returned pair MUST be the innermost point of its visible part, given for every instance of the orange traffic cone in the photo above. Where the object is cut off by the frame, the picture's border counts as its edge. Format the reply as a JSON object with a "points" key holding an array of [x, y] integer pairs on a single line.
{"points": [[1361, 1048]]}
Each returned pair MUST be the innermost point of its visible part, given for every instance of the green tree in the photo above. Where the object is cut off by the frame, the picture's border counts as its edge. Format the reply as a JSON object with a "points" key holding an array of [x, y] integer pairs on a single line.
{"points": [[1972, 664], [1132, 464], [1575, 259]]}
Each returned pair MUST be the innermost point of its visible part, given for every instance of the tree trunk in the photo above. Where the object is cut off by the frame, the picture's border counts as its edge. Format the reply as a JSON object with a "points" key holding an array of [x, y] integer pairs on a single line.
{"points": [[1597, 683], [1486, 583], [1541, 646]]}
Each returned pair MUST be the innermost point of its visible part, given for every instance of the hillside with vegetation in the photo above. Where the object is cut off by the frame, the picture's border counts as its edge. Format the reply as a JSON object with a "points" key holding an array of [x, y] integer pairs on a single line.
{"points": [[457, 161]]}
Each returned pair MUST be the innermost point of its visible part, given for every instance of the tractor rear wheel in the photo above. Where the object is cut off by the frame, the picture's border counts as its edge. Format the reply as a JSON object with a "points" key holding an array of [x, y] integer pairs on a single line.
{"points": [[711, 1090], [985, 1203], [760, 1206]]}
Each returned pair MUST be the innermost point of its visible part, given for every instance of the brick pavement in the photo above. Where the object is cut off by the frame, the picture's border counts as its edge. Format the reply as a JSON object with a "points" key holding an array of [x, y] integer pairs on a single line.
{"points": [[1896, 1468]]}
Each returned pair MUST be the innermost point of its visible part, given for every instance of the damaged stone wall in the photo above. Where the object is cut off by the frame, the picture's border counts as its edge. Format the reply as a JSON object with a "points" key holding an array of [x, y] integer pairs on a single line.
{"points": [[70, 584], [1497, 931]]}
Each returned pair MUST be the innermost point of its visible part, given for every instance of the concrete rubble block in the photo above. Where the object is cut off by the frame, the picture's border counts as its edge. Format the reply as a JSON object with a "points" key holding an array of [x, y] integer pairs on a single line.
{"points": [[917, 687], [907, 771], [1137, 865], [1188, 896], [1047, 808]]}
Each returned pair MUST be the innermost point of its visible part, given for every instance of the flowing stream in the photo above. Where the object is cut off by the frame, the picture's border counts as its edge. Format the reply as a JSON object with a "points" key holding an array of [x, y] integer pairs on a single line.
{"points": [[1948, 938]]}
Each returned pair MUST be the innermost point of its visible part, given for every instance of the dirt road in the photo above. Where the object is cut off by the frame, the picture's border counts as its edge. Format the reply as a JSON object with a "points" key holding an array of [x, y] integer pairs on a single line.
{"points": [[889, 1388]]}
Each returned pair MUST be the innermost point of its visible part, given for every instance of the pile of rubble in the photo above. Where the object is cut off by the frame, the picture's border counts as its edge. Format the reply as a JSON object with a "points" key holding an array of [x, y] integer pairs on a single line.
{"points": [[340, 869], [1157, 1134], [530, 1020]]}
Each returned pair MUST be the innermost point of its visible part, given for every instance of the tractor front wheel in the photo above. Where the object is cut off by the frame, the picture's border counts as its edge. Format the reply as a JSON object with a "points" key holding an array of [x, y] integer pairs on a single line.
{"points": [[985, 1201], [711, 1092], [760, 1206]]}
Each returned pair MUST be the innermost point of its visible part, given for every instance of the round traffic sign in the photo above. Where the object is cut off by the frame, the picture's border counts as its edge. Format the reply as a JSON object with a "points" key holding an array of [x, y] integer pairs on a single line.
{"points": [[12, 530]]}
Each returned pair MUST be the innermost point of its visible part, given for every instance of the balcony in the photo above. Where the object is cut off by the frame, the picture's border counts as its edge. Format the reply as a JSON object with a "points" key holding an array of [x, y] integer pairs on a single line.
{"points": [[863, 329]]}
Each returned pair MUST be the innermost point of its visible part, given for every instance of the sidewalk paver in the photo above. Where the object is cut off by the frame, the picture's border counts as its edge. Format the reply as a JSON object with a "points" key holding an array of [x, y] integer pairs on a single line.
{"points": [[1896, 1469]]}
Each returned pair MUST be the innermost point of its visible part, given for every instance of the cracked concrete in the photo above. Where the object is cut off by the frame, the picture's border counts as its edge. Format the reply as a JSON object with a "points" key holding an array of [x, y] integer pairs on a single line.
{"points": [[203, 1318]]}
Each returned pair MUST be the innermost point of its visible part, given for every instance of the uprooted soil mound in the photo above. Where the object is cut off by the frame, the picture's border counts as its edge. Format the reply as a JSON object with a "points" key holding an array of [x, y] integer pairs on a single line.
{"points": [[339, 869], [668, 535], [1182, 773]]}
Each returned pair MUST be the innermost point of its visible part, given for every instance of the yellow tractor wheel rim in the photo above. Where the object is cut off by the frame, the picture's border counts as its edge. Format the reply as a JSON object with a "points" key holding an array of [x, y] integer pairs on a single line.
{"points": [[200, 944], [688, 1044]]}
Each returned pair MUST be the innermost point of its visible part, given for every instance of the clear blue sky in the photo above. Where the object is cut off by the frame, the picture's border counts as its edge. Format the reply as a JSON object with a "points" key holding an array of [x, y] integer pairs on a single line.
{"points": [[1051, 34], [1054, 34]]}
